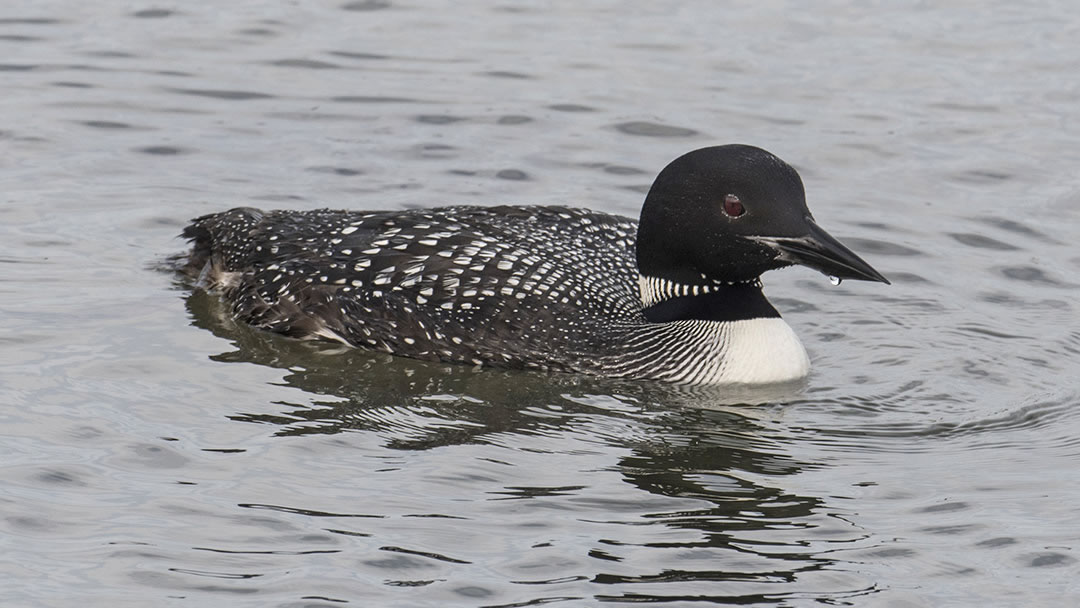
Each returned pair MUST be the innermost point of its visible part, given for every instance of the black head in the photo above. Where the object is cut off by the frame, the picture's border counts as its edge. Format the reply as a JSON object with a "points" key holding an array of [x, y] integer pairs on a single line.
{"points": [[730, 213]]}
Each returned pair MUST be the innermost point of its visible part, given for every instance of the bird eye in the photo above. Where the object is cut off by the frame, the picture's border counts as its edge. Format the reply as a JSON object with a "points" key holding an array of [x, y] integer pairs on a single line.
{"points": [[733, 207]]}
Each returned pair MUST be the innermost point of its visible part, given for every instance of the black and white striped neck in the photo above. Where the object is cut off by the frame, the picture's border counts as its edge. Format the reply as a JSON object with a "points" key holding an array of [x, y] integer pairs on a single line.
{"points": [[665, 300]]}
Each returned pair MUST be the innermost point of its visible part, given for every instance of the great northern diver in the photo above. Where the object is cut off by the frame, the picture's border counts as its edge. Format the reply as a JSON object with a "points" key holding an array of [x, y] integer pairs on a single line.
{"points": [[674, 297]]}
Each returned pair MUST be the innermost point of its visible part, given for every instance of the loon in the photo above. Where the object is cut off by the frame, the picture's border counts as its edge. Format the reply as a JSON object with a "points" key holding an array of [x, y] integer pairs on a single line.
{"points": [[674, 297]]}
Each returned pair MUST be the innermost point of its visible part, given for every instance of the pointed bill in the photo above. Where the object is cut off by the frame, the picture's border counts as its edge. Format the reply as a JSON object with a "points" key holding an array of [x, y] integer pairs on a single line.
{"points": [[820, 251]]}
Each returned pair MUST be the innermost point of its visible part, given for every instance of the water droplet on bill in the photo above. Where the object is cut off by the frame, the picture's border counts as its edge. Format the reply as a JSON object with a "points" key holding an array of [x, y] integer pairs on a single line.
{"points": [[834, 280]]}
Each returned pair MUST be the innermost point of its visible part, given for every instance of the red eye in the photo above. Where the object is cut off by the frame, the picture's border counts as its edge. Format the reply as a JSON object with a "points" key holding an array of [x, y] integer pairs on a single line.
{"points": [[733, 206]]}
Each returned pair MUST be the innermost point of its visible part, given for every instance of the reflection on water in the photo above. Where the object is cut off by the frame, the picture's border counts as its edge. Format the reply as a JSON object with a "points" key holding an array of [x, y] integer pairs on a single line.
{"points": [[376, 391], [734, 523]]}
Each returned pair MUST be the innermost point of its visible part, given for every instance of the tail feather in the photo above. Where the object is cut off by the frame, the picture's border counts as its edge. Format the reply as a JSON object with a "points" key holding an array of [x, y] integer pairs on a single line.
{"points": [[224, 258], [217, 247]]}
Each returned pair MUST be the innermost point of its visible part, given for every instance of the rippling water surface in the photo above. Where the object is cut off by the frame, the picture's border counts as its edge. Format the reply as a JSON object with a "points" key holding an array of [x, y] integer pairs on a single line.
{"points": [[154, 453]]}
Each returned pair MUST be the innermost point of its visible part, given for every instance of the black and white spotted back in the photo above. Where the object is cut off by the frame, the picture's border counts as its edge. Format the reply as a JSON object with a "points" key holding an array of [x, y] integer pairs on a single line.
{"points": [[509, 286]]}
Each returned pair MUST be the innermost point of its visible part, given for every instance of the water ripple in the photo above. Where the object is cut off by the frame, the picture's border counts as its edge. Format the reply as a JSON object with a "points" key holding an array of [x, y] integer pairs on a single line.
{"points": [[652, 129], [153, 13], [307, 64], [224, 94], [980, 241], [986, 432]]}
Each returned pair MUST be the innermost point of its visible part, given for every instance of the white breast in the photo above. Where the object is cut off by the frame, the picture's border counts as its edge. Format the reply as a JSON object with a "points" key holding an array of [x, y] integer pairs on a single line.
{"points": [[759, 351]]}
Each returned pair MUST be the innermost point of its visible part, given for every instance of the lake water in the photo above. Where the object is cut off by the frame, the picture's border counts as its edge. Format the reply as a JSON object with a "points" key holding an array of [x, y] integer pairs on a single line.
{"points": [[152, 453]]}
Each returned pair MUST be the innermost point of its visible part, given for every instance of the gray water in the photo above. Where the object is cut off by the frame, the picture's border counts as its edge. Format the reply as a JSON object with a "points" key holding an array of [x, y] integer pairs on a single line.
{"points": [[152, 453]]}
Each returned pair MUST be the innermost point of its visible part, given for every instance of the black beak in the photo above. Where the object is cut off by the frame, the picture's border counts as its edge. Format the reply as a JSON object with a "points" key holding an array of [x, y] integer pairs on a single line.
{"points": [[820, 251]]}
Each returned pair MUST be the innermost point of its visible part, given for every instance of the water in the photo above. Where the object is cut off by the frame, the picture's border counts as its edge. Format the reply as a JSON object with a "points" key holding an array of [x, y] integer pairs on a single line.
{"points": [[156, 454]]}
